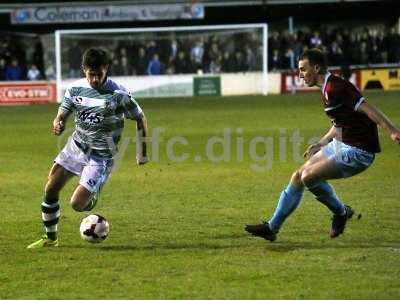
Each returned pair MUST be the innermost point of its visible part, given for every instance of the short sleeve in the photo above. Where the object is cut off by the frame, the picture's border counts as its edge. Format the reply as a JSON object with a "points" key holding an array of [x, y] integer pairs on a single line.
{"points": [[130, 107], [348, 94], [354, 97], [67, 105]]}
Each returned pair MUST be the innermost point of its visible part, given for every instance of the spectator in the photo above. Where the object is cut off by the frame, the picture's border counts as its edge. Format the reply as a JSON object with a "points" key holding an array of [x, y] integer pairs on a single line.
{"points": [[215, 65], [275, 62], [288, 61], [274, 42], [155, 66], [2, 69], [182, 65], [196, 55], [122, 52], [393, 46], [34, 73], [5, 48], [125, 69], [18, 50], [14, 71], [214, 51], [140, 63], [250, 60], [173, 50], [211, 54], [259, 53], [335, 54], [74, 56], [227, 63], [363, 54], [350, 50], [374, 55], [115, 68], [315, 40], [382, 48], [37, 56], [151, 49], [296, 44], [170, 69], [50, 72], [239, 64]]}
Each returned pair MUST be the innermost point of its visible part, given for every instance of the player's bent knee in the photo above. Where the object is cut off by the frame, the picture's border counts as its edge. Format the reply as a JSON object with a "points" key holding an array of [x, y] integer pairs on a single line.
{"points": [[307, 177], [296, 177]]}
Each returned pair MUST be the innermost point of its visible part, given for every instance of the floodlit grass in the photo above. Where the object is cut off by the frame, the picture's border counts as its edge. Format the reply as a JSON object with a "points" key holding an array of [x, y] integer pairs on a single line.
{"points": [[177, 227]]}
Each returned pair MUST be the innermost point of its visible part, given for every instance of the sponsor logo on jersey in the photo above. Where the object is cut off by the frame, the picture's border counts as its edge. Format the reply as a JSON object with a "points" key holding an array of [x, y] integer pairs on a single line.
{"points": [[89, 102], [91, 182], [90, 117]]}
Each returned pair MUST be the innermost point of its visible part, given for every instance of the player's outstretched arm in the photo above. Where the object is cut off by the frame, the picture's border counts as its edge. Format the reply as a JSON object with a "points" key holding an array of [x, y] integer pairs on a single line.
{"points": [[59, 122], [381, 120], [314, 148], [141, 148]]}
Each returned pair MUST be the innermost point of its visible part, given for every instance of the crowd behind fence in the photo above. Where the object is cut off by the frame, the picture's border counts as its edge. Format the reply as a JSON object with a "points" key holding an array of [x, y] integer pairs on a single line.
{"points": [[174, 54], [22, 57], [343, 46]]}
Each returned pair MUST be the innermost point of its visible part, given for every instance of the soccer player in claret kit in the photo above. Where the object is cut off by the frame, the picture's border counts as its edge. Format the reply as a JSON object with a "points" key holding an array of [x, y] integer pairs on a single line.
{"points": [[347, 149], [100, 106]]}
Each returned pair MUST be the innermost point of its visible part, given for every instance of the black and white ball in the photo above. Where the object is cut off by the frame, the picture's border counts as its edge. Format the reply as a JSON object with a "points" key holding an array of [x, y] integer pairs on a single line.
{"points": [[94, 228]]}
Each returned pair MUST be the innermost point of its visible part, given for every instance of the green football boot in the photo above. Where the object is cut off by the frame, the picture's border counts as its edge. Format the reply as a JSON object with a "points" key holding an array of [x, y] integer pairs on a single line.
{"points": [[43, 242]]}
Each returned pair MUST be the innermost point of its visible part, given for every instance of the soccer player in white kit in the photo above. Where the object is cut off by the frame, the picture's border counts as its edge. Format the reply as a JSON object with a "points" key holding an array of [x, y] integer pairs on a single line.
{"points": [[100, 106]]}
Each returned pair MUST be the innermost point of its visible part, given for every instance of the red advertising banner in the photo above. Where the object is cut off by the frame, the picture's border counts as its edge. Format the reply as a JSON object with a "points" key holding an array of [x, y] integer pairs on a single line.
{"points": [[27, 92], [290, 82]]}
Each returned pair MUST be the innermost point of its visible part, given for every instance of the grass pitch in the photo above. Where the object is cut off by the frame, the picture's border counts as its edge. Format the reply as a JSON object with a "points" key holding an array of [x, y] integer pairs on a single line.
{"points": [[177, 223]]}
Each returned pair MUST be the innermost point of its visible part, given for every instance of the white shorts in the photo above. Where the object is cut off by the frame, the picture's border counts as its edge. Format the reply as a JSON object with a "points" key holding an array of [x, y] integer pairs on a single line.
{"points": [[92, 170], [351, 160]]}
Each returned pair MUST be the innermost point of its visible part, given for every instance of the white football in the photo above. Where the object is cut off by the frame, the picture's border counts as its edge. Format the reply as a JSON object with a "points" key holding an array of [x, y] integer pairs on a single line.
{"points": [[94, 228]]}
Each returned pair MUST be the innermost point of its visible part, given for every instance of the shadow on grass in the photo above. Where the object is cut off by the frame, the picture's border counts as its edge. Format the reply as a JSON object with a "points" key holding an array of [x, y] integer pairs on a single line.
{"points": [[205, 245], [278, 246], [328, 244], [229, 236], [155, 247]]}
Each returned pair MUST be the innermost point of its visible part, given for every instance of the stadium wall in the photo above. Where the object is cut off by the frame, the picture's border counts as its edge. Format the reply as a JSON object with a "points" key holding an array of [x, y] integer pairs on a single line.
{"points": [[249, 83], [28, 92], [229, 84]]}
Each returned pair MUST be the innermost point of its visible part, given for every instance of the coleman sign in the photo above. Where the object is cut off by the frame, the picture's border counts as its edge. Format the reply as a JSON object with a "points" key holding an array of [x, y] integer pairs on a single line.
{"points": [[27, 92], [115, 13]]}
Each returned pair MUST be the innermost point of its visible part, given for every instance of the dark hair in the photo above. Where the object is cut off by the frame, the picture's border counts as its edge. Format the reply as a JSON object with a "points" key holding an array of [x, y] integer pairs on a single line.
{"points": [[316, 57], [94, 58]]}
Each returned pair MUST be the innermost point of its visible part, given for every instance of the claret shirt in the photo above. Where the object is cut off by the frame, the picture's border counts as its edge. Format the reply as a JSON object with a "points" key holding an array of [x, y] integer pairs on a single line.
{"points": [[341, 100]]}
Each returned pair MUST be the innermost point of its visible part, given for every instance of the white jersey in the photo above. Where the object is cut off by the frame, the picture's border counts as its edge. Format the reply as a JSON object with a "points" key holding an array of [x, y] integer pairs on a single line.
{"points": [[99, 114]]}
